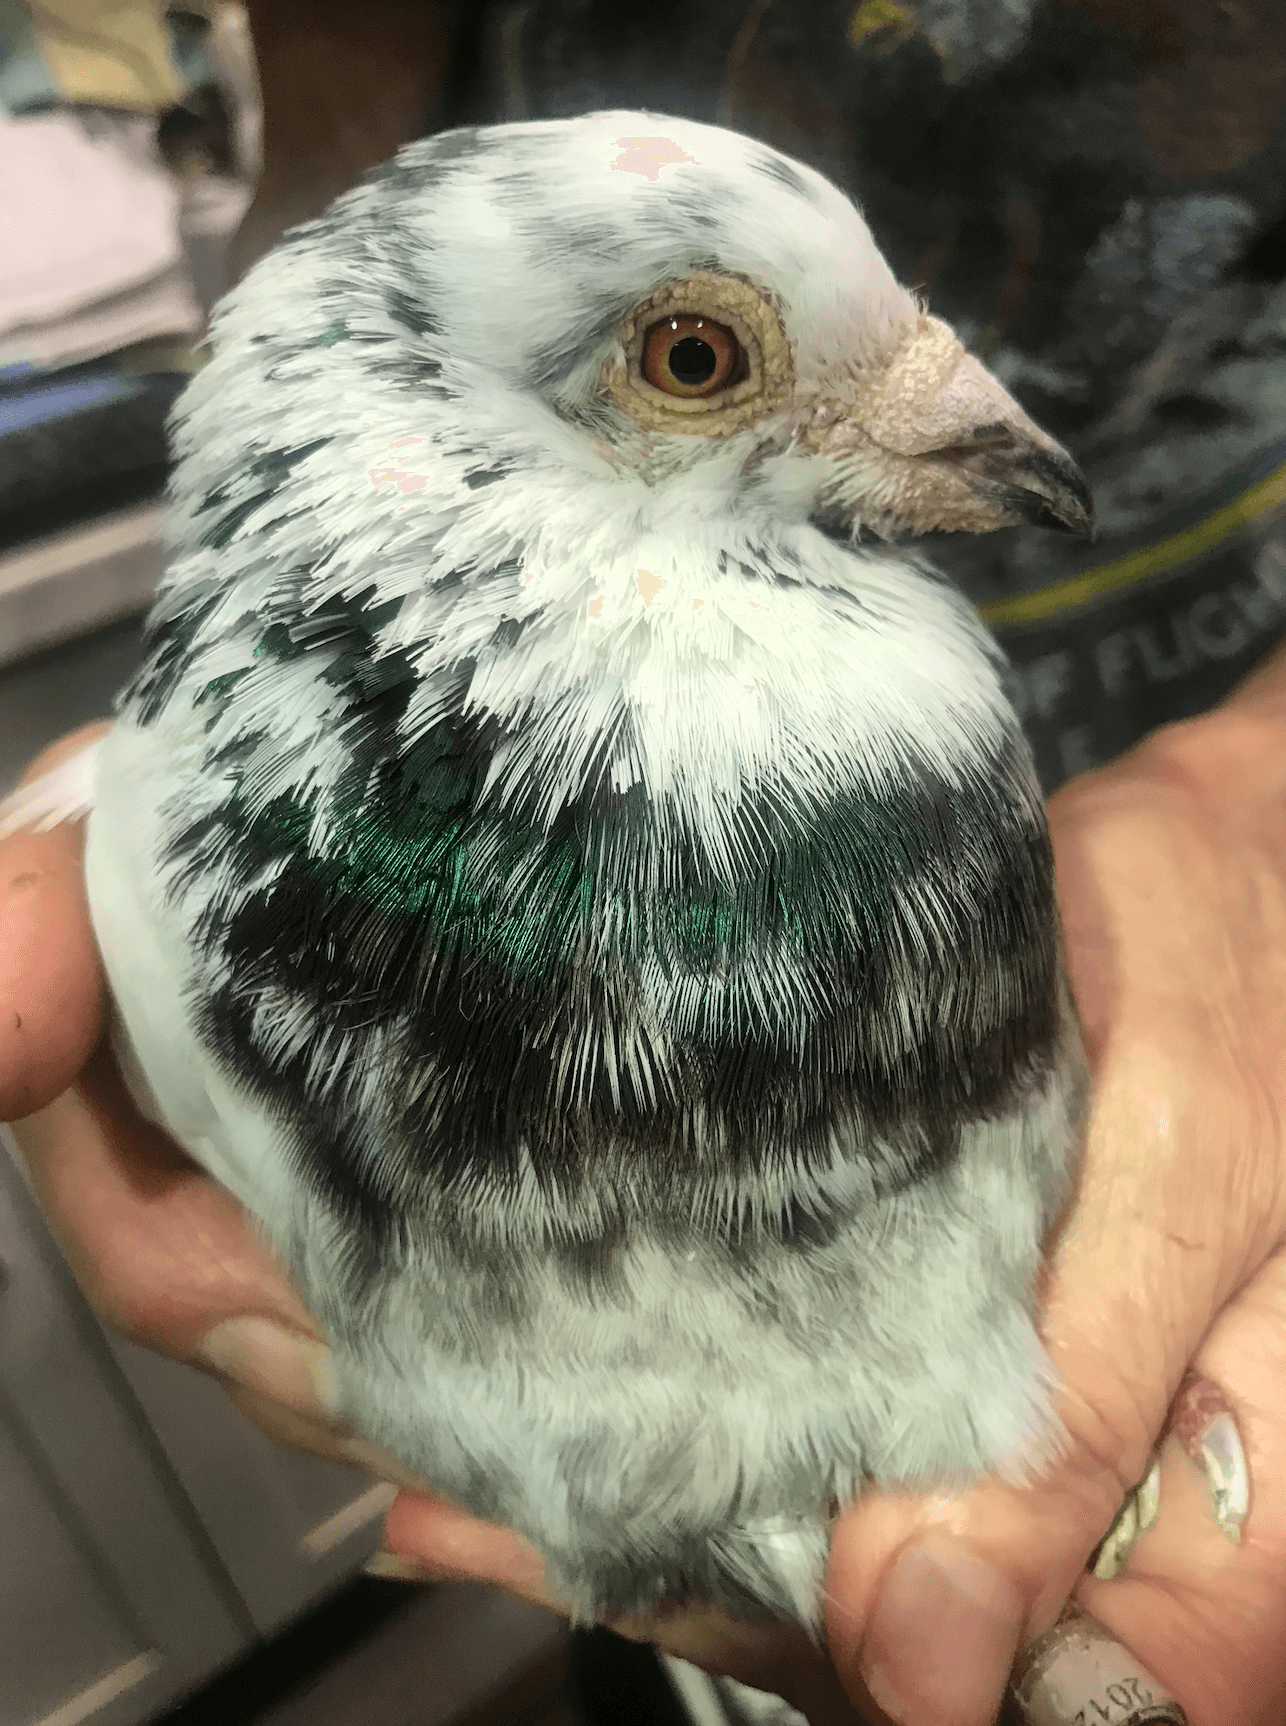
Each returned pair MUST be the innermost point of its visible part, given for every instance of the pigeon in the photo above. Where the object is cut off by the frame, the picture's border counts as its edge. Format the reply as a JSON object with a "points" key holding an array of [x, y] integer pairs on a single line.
{"points": [[571, 869]]}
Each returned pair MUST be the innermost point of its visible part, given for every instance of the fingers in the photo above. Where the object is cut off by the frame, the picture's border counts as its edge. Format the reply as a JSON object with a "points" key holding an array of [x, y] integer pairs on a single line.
{"points": [[932, 1597], [1206, 1427], [427, 1539], [161, 1251], [301, 1429], [1173, 926], [51, 987], [445, 1541], [164, 1255], [1201, 1610]]}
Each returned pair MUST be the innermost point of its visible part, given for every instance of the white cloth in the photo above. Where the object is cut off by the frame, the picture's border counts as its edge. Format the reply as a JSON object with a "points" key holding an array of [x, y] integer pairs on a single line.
{"points": [[91, 256]]}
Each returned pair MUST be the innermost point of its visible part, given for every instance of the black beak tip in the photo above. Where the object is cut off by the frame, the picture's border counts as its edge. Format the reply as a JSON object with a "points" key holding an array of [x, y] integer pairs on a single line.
{"points": [[1062, 515], [1079, 517], [1067, 505], [1082, 524]]}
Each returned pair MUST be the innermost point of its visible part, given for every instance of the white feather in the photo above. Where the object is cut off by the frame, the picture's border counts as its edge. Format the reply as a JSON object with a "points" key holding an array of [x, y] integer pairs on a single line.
{"points": [[65, 793]]}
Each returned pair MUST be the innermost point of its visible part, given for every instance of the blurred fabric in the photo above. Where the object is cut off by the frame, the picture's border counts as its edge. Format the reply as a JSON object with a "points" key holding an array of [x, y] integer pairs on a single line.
{"points": [[94, 258], [122, 133], [106, 55]]}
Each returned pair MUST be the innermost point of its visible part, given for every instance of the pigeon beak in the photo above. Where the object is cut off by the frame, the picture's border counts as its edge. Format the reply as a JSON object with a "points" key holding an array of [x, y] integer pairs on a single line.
{"points": [[1011, 477], [932, 441]]}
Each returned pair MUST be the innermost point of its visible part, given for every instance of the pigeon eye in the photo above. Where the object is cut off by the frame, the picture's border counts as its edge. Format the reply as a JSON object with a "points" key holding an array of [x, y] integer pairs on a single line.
{"points": [[690, 355], [706, 356]]}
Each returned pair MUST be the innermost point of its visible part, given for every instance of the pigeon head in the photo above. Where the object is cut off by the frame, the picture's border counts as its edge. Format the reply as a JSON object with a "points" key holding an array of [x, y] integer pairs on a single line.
{"points": [[584, 429], [700, 304]]}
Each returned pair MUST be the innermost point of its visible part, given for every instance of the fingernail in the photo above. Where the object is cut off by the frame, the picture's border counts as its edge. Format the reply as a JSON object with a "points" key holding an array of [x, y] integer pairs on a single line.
{"points": [[265, 1357], [1207, 1428], [1118, 1543], [1148, 1496], [942, 1640], [392, 1567]]}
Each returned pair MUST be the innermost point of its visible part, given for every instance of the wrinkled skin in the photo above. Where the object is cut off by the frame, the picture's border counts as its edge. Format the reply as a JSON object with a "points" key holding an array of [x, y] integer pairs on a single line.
{"points": [[1172, 871]]}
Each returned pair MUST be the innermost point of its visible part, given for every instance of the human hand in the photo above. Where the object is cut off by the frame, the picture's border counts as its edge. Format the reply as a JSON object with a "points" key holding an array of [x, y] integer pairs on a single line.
{"points": [[1172, 872], [162, 1253]]}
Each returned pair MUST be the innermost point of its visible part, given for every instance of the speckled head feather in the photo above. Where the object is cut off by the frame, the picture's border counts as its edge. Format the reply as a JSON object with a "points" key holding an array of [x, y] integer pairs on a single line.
{"points": [[576, 881]]}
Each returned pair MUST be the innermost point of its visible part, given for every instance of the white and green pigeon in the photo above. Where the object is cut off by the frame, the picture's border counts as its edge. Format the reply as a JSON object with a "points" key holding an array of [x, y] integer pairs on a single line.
{"points": [[577, 880]]}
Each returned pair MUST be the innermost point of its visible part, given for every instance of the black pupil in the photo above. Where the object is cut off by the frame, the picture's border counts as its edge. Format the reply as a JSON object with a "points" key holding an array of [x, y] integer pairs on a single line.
{"points": [[692, 361]]}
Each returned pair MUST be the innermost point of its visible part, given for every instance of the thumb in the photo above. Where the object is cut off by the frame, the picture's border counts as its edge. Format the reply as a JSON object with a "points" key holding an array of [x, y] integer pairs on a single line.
{"points": [[51, 985], [931, 1597]]}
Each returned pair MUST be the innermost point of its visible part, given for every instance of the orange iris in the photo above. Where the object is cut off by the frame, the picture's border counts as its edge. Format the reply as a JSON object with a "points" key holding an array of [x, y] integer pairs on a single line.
{"points": [[689, 355]]}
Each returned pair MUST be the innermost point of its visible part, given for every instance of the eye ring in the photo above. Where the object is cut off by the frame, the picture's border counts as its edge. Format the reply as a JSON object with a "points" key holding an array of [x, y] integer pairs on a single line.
{"points": [[689, 355], [709, 403]]}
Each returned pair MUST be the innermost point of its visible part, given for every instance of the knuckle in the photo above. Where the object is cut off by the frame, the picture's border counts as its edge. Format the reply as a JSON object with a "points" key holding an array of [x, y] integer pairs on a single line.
{"points": [[1112, 1437]]}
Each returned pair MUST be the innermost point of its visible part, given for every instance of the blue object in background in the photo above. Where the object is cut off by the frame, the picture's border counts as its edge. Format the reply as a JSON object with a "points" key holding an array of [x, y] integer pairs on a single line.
{"points": [[79, 442], [29, 396]]}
